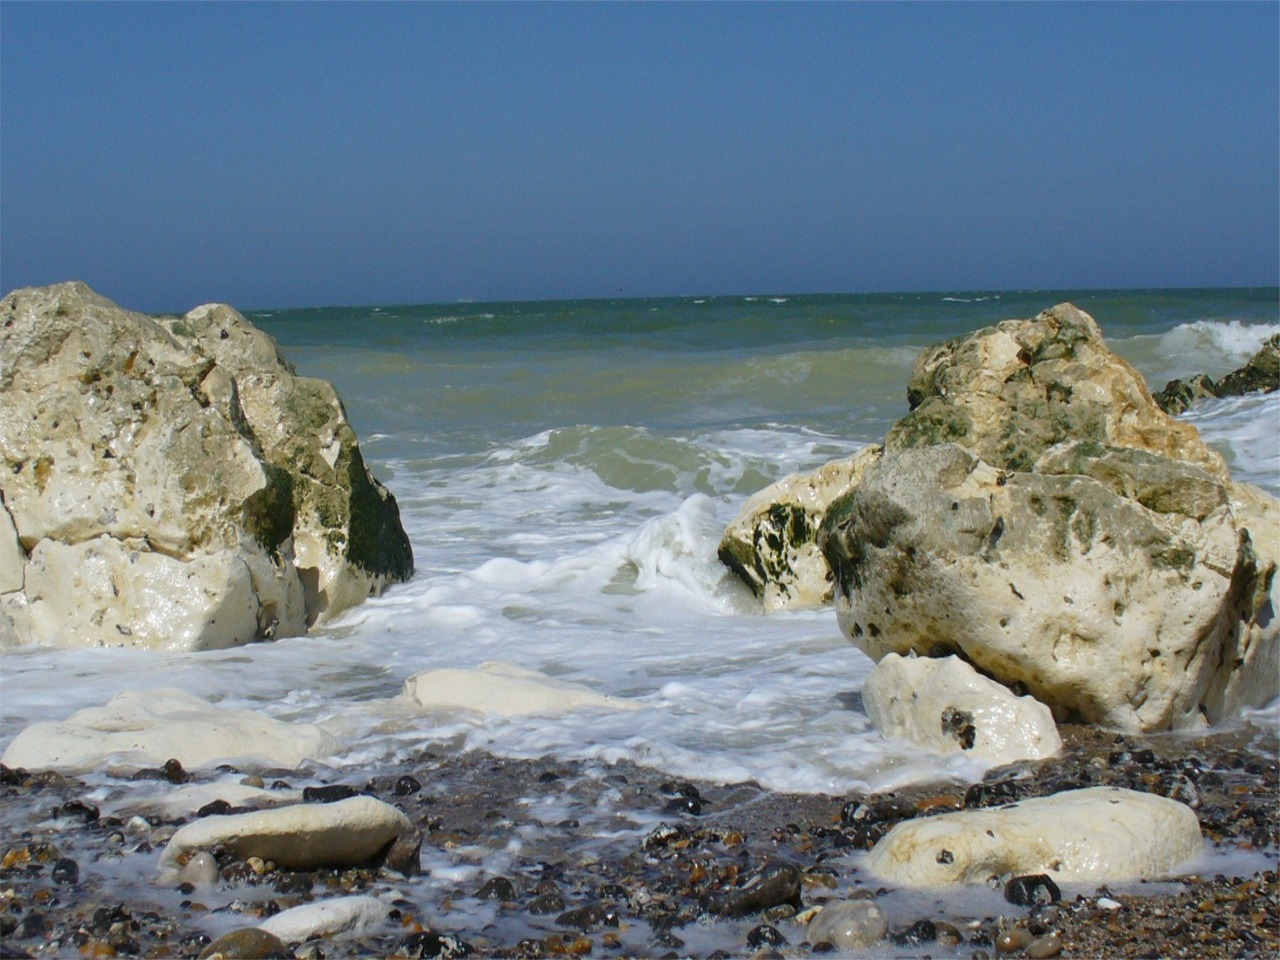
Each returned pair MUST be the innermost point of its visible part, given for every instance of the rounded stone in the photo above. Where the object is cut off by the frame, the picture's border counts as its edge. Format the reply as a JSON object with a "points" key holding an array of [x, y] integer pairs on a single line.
{"points": [[200, 871], [248, 944], [847, 924], [1044, 947]]}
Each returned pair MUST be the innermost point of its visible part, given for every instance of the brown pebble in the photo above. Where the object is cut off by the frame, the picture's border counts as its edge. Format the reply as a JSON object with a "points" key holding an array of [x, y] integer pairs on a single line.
{"points": [[1015, 938], [245, 944], [948, 801], [1049, 946]]}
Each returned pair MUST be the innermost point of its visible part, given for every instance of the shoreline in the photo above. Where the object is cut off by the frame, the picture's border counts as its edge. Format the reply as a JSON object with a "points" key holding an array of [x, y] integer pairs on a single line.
{"points": [[539, 858]]}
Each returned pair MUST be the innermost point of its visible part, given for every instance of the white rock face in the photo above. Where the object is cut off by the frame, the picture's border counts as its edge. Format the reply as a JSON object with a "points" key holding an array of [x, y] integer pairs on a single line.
{"points": [[12, 557], [148, 727], [304, 836], [345, 915], [172, 483], [1119, 587], [1103, 834], [943, 703], [505, 690], [772, 545]]}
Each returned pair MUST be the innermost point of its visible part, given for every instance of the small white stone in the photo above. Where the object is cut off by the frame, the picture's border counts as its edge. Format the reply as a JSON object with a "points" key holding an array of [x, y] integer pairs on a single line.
{"points": [[200, 871], [349, 915], [1106, 903], [848, 924]]}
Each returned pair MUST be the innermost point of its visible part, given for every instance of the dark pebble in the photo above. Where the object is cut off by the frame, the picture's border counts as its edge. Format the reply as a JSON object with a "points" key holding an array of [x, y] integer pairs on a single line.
{"points": [[546, 903], [777, 883], [497, 888], [214, 808], [689, 805], [662, 836], [994, 792], [857, 812], [79, 810], [765, 936], [588, 918], [174, 773], [66, 870], [407, 786], [31, 926], [1028, 891], [329, 794], [922, 931], [431, 943]]}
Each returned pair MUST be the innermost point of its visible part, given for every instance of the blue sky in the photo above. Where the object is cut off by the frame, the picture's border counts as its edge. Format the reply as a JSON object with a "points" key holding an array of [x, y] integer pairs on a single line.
{"points": [[274, 155]]}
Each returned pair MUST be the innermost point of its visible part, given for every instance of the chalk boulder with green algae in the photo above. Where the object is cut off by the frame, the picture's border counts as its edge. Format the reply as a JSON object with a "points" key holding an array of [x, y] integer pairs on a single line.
{"points": [[1037, 514], [773, 545], [172, 483]]}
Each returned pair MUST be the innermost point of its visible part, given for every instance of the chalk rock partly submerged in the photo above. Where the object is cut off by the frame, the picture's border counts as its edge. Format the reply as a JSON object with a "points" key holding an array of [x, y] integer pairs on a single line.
{"points": [[147, 727], [943, 703], [772, 546], [173, 483], [1103, 834], [506, 690], [305, 836]]}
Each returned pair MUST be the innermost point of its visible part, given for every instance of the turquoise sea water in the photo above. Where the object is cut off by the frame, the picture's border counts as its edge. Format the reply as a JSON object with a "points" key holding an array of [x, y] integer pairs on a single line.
{"points": [[565, 470]]}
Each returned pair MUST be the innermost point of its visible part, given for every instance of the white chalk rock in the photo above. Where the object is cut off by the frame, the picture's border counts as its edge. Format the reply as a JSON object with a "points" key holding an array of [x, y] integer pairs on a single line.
{"points": [[149, 445], [12, 557], [945, 704], [506, 690], [304, 836], [1102, 834], [148, 727], [772, 545], [129, 597], [329, 918], [1119, 587]]}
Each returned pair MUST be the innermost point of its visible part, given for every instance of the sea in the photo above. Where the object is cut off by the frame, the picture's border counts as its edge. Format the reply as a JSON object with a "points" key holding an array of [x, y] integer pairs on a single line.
{"points": [[565, 470]]}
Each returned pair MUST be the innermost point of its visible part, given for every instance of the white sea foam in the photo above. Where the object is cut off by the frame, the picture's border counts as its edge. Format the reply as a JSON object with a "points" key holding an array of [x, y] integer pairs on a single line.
{"points": [[1208, 346]]}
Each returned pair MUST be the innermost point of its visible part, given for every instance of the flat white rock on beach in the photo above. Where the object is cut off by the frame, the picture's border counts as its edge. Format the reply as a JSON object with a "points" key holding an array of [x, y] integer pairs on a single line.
{"points": [[353, 915], [506, 690], [1104, 834], [303, 836], [148, 727]]}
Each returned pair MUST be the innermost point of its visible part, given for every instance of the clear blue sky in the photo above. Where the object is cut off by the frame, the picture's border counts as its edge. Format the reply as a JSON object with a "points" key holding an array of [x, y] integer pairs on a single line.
{"points": [[308, 154]]}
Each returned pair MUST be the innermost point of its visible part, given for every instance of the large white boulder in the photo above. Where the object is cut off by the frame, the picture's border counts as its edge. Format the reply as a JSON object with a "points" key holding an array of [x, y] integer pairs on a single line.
{"points": [[136, 446], [1116, 586], [506, 690], [943, 703], [772, 545], [304, 836], [1103, 834], [147, 727]]}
